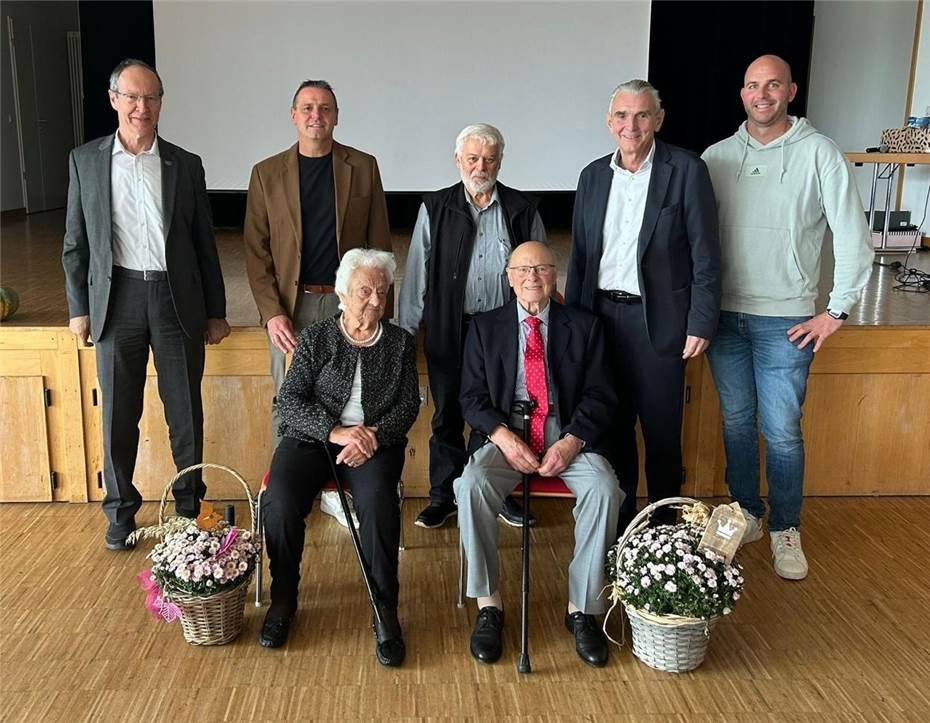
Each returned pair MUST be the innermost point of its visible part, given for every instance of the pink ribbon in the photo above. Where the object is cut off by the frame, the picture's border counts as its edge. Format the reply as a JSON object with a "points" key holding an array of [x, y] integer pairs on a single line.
{"points": [[160, 608], [228, 541]]}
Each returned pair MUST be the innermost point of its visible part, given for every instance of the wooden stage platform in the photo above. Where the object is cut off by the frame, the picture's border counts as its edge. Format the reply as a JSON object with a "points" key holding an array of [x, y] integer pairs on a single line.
{"points": [[867, 415]]}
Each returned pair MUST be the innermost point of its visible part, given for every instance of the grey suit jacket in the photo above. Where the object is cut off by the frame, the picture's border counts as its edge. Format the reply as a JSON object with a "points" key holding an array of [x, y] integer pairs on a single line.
{"points": [[193, 265]]}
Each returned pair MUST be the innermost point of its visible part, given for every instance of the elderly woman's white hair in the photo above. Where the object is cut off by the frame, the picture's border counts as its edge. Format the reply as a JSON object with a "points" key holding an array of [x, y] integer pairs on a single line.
{"points": [[487, 134], [367, 258]]}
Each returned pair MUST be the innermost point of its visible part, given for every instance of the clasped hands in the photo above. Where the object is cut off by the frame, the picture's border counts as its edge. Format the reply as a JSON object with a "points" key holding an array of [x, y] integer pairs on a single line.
{"points": [[358, 444], [519, 455]]}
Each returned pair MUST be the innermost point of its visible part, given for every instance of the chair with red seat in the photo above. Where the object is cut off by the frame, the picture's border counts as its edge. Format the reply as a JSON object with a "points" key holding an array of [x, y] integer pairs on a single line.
{"points": [[329, 486]]}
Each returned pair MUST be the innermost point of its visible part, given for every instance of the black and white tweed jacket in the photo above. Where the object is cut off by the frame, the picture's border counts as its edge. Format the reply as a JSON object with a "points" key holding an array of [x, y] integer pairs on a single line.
{"points": [[318, 384]]}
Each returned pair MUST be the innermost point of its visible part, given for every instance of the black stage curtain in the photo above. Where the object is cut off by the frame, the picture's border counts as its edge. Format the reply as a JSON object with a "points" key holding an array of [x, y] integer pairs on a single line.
{"points": [[110, 32], [698, 52]]}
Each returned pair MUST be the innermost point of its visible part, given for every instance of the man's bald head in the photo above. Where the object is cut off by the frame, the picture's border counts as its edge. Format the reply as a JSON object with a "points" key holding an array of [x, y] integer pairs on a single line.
{"points": [[532, 253], [767, 90], [532, 275], [774, 62]]}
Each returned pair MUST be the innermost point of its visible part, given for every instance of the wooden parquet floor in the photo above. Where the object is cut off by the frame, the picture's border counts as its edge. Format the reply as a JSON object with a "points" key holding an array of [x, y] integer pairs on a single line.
{"points": [[849, 643]]}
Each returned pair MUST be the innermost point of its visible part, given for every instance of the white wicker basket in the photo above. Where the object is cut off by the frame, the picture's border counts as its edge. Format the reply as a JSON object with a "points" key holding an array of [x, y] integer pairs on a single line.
{"points": [[666, 642], [214, 619]]}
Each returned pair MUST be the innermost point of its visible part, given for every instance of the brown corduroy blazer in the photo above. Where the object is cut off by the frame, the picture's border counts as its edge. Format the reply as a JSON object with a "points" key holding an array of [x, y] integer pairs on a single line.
{"points": [[273, 233]]}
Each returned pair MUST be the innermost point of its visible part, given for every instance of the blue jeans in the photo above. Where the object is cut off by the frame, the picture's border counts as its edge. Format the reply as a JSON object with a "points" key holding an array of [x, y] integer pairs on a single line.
{"points": [[759, 373]]}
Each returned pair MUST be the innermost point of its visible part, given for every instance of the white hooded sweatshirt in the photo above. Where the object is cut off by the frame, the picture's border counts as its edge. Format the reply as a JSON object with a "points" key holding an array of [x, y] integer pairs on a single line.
{"points": [[775, 202]]}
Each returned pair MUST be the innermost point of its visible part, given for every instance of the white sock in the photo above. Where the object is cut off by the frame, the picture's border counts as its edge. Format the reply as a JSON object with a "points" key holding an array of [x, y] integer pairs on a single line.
{"points": [[572, 608], [494, 600]]}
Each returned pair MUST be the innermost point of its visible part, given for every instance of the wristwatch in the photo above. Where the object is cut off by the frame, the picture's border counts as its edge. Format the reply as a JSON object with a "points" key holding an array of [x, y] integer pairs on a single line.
{"points": [[838, 315]]}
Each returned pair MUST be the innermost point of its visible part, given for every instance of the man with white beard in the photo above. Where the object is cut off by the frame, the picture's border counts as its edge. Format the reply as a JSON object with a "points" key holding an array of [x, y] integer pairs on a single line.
{"points": [[456, 268]]}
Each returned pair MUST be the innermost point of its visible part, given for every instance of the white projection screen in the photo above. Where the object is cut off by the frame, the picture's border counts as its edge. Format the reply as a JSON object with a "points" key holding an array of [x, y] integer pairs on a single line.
{"points": [[408, 76]]}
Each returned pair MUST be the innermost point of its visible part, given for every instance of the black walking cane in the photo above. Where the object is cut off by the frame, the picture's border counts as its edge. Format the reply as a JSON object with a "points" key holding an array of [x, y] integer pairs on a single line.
{"points": [[524, 408], [356, 543]]}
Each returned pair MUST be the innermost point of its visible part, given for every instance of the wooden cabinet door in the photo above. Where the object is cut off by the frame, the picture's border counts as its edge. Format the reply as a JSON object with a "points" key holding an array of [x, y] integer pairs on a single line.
{"points": [[24, 460]]}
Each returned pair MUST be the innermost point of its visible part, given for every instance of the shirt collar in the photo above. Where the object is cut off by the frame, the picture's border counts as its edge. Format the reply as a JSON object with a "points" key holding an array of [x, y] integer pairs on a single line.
{"points": [[646, 165], [543, 315], [471, 203], [118, 147]]}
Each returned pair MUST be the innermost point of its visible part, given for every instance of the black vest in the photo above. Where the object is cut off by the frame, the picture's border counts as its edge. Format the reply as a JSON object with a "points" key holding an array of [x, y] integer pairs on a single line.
{"points": [[452, 240]]}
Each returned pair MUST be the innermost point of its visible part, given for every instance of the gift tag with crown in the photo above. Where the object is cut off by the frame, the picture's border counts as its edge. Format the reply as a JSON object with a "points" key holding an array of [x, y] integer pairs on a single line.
{"points": [[724, 531]]}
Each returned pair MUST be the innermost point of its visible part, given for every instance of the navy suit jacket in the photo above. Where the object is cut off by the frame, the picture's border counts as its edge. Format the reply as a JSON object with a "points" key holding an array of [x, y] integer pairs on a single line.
{"points": [[678, 253], [577, 370]]}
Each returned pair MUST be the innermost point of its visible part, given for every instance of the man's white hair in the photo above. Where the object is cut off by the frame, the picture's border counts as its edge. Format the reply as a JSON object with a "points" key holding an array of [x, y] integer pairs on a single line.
{"points": [[368, 258], [487, 134], [636, 86]]}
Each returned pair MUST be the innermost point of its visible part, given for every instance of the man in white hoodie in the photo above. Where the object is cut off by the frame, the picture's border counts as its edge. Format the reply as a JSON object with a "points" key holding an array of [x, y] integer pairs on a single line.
{"points": [[779, 184]]}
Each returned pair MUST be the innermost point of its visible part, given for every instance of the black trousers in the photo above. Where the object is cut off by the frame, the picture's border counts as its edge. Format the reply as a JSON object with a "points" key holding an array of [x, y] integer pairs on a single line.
{"points": [[298, 472], [141, 314], [650, 387], [447, 455]]}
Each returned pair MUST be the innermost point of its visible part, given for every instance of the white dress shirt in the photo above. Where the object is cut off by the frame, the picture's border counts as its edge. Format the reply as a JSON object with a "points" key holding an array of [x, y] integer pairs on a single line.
{"points": [[623, 220], [136, 202]]}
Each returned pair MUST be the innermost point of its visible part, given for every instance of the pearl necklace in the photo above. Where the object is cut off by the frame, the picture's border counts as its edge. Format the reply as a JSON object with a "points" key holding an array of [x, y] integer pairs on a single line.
{"points": [[370, 341]]}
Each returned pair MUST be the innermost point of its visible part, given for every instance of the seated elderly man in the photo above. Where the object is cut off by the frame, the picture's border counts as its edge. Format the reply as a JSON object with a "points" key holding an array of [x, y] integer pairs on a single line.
{"points": [[535, 348], [352, 387]]}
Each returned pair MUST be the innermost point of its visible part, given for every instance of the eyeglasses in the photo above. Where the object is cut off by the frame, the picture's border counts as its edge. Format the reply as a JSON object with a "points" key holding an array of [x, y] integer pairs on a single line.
{"points": [[132, 99], [524, 271]]}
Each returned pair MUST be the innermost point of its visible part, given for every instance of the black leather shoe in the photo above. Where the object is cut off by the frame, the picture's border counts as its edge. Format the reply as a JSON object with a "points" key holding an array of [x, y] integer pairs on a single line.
{"points": [[275, 630], [185, 512], [512, 513], [436, 515], [590, 641], [663, 516], [115, 539], [389, 642], [623, 522], [486, 637]]}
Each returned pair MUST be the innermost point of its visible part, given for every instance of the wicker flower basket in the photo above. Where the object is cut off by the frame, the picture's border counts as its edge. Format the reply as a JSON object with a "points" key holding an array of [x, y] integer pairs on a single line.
{"points": [[211, 619], [671, 643]]}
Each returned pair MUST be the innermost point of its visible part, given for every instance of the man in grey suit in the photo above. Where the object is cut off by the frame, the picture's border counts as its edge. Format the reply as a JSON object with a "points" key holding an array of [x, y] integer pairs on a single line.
{"points": [[141, 270]]}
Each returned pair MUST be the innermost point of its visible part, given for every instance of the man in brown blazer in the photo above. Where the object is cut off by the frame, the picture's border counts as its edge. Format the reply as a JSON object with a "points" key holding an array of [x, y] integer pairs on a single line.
{"points": [[306, 207]]}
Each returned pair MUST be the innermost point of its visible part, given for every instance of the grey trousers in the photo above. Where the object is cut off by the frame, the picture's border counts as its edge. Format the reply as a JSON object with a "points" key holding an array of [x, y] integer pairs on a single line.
{"points": [[480, 492], [309, 309]]}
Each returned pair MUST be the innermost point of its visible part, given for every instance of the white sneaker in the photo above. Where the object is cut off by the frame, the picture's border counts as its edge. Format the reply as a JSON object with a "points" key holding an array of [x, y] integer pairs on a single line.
{"points": [[787, 555], [330, 505], [753, 527]]}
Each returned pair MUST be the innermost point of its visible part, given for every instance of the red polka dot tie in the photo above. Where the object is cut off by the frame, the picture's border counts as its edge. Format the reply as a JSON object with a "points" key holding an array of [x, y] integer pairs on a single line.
{"points": [[534, 368]]}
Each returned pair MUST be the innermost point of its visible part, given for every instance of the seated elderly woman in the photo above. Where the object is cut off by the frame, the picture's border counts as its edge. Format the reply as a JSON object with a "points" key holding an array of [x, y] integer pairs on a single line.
{"points": [[353, 388]]}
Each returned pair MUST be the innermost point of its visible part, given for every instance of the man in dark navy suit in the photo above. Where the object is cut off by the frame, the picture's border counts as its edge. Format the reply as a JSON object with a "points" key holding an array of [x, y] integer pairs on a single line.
{"points": [[534, 348], [646, 259]]}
